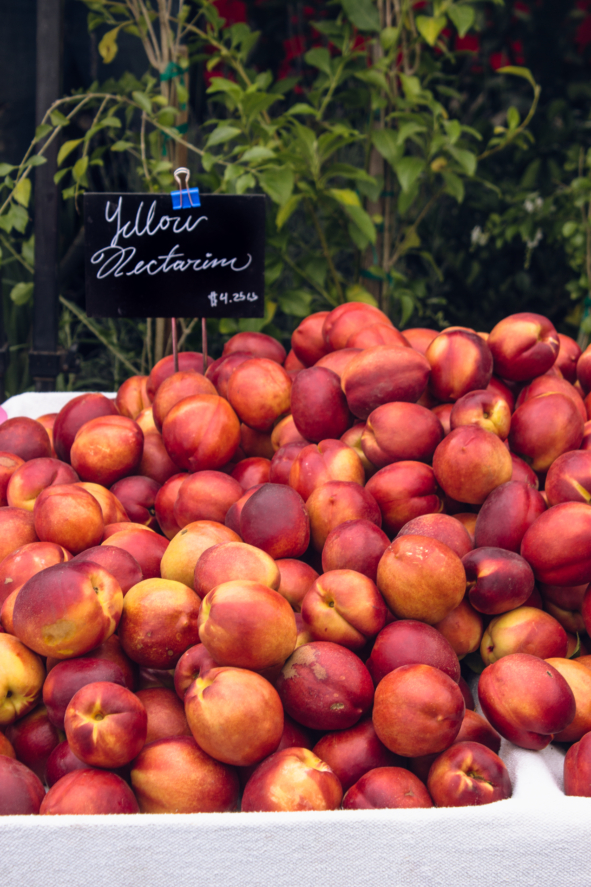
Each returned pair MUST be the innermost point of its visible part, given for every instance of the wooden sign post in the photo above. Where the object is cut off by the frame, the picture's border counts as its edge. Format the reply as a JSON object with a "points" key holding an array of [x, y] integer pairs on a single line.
{"points": [[146, 259]]}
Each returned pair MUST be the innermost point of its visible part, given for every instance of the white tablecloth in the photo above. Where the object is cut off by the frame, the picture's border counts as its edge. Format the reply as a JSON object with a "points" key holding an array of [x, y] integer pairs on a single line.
{"points": [[538, 838]]}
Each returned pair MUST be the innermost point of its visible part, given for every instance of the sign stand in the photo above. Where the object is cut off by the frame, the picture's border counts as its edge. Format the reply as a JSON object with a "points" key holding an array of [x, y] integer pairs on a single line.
{"points": [[175, 355], [204, 341], [203, 256]]}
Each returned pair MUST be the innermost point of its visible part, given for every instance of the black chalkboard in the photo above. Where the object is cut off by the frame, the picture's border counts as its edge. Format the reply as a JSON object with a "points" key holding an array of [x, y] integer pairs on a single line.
{"points": [[144, 259]]}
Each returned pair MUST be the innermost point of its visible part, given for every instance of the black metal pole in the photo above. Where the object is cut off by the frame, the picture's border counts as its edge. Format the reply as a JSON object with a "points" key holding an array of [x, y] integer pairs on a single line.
{"points": [[44, 359]]}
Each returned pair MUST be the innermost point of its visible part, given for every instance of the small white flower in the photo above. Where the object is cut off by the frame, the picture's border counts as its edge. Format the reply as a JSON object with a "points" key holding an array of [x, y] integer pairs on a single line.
{"points": [[531, 244], [533, 204], [478, 237]]}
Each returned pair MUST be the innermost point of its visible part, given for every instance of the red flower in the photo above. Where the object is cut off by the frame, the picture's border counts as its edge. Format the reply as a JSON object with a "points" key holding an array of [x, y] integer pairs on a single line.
{"points": [[294, 47], [233, 11], [359, 42], [469, 43], [498, 60], [517, 50], [583, 34]]}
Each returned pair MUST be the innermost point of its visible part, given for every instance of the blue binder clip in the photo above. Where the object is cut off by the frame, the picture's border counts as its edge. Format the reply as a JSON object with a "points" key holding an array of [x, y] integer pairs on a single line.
{"points": [[185, 197]]}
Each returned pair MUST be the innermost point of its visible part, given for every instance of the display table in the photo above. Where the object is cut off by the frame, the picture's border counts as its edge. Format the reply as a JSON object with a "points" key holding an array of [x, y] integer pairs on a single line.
{"points": [[538, 838]]}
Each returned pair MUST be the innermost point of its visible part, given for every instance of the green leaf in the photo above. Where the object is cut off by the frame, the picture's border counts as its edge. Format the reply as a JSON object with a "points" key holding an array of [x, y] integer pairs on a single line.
{"points": [[331, 29], [28, 250], [301, 108], [257, 153], [513, 118], [453, 185], [319, 57], [408, 169], [287, 210], [22, 192], [360, 218], [233, 171], [462, 17], [410, 85], [111, 121], [411, 241], [207, 161], [569, 228], [222, 84], [42, 130], [60, 174], [453, 129], [222, 133], [79, 168], [374, 78], [167, 116], [430, 28], [5, 168], [282, 86], [389, 38], [121, 145], [59, 119], [409, 129], [386, 142], [108, 45], [407, 198], [466, 159], [66, 149], [228, 326], [182, 94], [407, 306], [363, 14], [141, 99], [358, 293], [243, 183], [295, 302], [277, 183], [273, 271], [21, 293], [518, 72], [36, 160], [345, 196], [17, 217], [357, 236]]}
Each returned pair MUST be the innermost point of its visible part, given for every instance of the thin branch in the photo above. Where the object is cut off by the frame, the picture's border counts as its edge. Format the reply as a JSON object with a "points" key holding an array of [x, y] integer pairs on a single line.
{"points": [[143, 146], [46, 144], [84, 319], [309, 280], [326, 252], [512, 135], [149, 49], [398, 251], [186, 331], [152, 33], [16, 255], [331, 89]]}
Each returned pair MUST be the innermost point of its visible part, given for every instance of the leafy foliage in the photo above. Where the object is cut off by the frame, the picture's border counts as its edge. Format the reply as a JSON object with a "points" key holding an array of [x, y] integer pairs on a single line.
{"points": [[356, 157]]}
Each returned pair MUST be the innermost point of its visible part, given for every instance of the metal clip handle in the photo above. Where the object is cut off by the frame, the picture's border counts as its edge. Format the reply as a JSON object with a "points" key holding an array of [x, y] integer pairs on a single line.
{"points": [[183, 171]]}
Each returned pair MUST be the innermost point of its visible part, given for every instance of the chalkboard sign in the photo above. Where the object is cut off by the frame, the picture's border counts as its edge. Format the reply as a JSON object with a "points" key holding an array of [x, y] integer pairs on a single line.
{"points": [[145, 259]]}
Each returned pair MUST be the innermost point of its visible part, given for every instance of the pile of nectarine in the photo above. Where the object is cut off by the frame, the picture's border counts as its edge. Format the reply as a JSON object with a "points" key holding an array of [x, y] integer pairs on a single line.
{"points": [[252, 589]]}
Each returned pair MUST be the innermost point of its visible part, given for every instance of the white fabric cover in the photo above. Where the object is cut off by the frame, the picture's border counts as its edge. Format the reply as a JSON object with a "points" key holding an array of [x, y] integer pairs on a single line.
{"points": [[34, 404], [538, 838]]}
